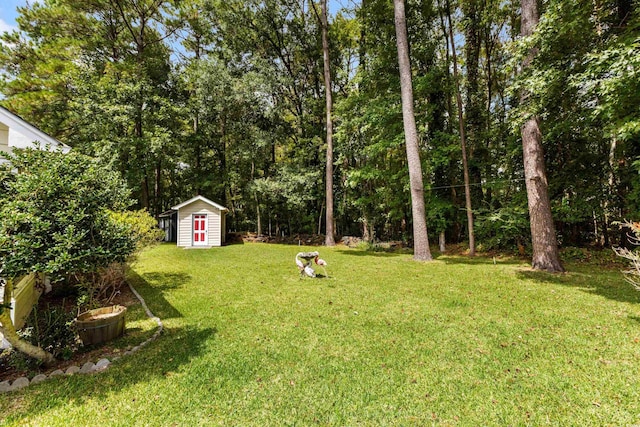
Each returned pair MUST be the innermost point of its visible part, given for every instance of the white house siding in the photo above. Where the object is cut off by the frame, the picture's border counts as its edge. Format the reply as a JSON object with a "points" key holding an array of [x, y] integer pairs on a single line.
{"points": [[185, 224], [18, 140], [4, 138], [16, 133]]}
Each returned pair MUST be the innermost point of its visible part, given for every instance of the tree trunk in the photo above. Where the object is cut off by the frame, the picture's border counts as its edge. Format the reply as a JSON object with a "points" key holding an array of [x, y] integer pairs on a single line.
{"points": [[145, 191], [366, 234], [320, 220], [226, 190], [463, 139], [610, 202], [543, 233], [9, 332], [421, 251], [625, 9], [471, 10], [258, 216], [329, 236], [158, 189], [255, 198]]}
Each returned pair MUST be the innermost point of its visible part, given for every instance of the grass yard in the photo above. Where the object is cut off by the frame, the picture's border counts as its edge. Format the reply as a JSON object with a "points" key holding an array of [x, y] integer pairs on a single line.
{"points": [[382, 341]]}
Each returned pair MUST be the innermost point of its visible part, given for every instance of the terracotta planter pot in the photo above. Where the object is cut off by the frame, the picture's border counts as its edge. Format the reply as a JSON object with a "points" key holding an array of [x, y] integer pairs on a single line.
{"points": [[101, 324]]}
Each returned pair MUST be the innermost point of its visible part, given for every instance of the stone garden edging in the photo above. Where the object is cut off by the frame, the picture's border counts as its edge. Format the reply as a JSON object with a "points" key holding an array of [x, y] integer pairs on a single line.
{"points": [[89, 367]]}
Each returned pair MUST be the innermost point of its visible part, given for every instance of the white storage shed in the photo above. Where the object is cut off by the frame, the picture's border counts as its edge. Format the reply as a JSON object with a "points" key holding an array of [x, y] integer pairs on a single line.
{"points": [[200, 223]]}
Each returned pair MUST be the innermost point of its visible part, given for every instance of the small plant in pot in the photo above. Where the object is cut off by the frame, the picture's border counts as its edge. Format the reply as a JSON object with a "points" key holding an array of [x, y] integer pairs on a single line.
{"points": [[101, 324], [98, 319], [101, 320]]}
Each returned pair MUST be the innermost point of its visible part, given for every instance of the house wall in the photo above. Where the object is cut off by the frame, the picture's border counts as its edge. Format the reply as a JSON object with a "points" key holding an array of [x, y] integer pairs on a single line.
{"points": [[18, 140], [4, 138], [16, 133], [185, 223], [11, 139], [24, 297]]}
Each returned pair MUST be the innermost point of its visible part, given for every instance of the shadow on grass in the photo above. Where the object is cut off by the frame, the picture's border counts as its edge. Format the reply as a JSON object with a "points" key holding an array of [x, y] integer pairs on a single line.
{"points": [[634, 318], [162, 358], [378, 254], [166, 281], [152, 287], [477, 260], [604, 283], [444, 257], [233, 242]]}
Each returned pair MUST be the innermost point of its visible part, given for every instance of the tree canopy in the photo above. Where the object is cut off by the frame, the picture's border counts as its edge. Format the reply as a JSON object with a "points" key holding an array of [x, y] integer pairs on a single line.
{"points": [[227, 99]]}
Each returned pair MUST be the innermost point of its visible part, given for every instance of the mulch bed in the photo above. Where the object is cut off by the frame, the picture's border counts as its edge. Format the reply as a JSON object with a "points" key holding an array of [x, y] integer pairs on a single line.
{"points": [[79, 358]]}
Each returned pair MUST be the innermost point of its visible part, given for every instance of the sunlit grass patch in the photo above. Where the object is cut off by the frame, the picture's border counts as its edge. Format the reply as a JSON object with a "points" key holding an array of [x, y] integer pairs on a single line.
{"points": [[383, 340]]}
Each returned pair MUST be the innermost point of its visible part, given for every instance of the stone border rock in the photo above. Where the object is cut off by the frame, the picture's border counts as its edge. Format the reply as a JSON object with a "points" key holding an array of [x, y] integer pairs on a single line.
{"points": [[89, 367]]}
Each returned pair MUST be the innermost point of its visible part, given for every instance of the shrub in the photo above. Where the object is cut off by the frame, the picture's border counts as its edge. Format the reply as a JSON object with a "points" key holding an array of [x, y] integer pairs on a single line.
{"points": [[593, 256], [53, 329], [632, 274], [54, 216], [142, 227], [99, 288], [19, 361], [55, 219], [504, 228]]}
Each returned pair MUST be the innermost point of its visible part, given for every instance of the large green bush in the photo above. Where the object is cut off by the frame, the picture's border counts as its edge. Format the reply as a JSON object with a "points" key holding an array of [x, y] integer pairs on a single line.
{"points": [[55, 215]]}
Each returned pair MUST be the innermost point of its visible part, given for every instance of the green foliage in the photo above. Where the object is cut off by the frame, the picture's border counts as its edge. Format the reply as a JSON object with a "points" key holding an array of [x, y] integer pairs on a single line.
{"points": [[440, 214], [54, 218], [237, 112], [53, 330], [505, 228], [142, 227], [5, 306], [583, 84], [591, 256], [610, 85]]}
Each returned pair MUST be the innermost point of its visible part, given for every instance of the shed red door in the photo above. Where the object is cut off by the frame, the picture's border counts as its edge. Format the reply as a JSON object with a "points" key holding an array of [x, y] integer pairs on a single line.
{"points": [[199, 230]]}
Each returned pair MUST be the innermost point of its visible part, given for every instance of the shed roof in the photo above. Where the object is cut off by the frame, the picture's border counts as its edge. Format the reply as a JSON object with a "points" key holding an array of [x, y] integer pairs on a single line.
{"points": [[202, 199], [28, 130], [167, 213]]}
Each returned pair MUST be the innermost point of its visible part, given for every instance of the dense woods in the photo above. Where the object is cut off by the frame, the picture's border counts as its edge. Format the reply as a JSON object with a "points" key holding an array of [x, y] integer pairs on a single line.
{"points": [[228, 99]]}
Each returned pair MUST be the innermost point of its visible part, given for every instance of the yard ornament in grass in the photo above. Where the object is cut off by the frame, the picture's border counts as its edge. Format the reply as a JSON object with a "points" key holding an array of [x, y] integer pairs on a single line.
{"points": [[309, 271], [304, 268], [322, 263], [300, 264]]}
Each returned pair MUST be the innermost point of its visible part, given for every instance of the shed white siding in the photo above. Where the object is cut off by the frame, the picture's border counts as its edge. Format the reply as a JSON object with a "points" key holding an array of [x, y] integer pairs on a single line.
{"points": [[215, 221]]}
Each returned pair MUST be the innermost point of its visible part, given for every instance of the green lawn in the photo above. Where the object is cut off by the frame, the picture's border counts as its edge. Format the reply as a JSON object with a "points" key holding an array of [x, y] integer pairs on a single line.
{"points": [[382, 341]]}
